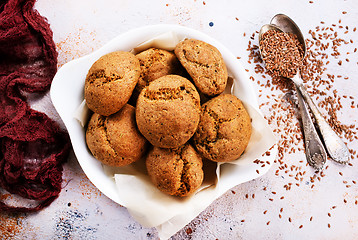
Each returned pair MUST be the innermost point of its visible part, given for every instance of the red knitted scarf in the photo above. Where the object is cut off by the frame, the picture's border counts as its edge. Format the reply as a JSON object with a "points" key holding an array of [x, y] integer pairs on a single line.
{"points": [[32, 146]]}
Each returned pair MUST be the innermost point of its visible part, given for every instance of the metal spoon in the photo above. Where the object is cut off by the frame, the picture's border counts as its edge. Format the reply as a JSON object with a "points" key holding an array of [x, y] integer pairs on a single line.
{"points": [[335, 147], [315, 152]]}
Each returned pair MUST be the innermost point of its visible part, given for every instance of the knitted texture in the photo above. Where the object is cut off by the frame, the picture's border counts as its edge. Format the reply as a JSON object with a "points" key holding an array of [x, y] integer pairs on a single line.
{"points": [[32, 146]]}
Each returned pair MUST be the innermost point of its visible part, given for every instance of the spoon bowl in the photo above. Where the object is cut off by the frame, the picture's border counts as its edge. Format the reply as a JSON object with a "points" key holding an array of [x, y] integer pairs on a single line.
{"points": [[287, 25], [267, 27]]}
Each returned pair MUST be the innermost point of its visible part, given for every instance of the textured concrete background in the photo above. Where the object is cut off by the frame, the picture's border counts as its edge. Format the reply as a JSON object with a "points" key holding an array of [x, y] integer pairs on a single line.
{"points": [[291, 201]]}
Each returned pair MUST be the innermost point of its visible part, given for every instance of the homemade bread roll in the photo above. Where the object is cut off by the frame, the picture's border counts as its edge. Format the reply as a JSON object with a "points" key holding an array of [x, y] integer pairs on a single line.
{"points": [[115, 140], [224, 130], [168, 111], [110, 82]]}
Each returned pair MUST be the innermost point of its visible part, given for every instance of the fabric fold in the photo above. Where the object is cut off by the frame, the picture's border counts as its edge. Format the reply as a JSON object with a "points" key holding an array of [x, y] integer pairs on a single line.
{"points": [[32, 146]]}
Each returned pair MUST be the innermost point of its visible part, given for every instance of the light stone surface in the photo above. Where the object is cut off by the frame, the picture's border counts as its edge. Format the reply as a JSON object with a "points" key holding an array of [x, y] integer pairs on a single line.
{"points": [[246, 211]]}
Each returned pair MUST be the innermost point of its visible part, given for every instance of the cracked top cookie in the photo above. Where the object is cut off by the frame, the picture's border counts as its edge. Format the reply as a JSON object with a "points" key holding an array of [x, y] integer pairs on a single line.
{"points": [[168, 111], [205, 65], [110, 82], [156, 63], [115, 140], [224, 130], [177, 171]]}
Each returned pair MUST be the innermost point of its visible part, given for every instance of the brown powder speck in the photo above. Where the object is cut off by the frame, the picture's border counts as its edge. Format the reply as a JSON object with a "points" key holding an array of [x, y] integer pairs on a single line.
{"points": [[10, 225], [88, 190], [75, 45], [5, 196]]}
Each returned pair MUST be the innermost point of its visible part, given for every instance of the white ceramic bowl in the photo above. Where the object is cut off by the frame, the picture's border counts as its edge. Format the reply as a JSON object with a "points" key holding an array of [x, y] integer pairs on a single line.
{"points": [[67, 93]]}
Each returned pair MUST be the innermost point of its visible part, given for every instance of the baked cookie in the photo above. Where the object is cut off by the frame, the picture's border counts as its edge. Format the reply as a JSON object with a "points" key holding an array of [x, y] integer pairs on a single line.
{"points": [[224, 130], [177, 171], [168, 111], [156, 63], [205, 65], [110, 82], [115, 140]]}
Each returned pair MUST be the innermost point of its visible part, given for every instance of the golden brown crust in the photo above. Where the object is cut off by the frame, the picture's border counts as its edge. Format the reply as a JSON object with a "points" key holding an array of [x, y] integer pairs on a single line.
{"points": [[224, 130], [115, 140], [168, 111], [205, 65], [177, 171], [156, 63], [110, 82]]}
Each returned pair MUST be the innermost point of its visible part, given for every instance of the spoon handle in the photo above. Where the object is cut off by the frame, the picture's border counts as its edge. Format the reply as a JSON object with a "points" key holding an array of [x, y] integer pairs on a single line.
{"points": [[336, 148], [315, 152]]}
